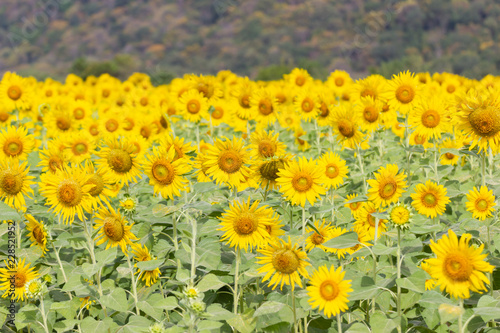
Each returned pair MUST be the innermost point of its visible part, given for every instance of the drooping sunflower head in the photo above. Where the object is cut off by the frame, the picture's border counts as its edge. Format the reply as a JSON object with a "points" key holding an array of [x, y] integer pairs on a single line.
{"points": [[113, 229], [481, 203], [37, 233]]}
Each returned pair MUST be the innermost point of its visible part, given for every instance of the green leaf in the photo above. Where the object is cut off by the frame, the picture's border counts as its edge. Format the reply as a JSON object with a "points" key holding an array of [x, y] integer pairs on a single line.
{"points": [[8, 213], [360, 198], [243, 323], [344, 241], [65, 325], [89, 269], [106, 257], [149, 265], [90, 325], [487, 308], [136, 324], [117, 300], [380, 249], [66, 308], [363, 288], [381, 324], [380, 216], [217, 311], [268, 308], [358, 328], [159, 301], [416, 282], [210, 282], [204, 187], [209, 325]]}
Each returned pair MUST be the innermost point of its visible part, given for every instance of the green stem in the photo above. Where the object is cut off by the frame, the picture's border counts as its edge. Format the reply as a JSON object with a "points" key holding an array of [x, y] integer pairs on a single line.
{"points": [[483, 168], [333, 203], [193, 249], [436, 153], [134, 285], [460, 326], [295, 325], [236, 277], [399, 277], [407, 146], [176, 243], [361, 168], [339, 323], [44, 316], [303, 220]]}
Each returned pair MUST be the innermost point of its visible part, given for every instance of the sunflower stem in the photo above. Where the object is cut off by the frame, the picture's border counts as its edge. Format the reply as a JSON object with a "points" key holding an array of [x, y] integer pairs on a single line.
{"points": [[303, 220], [361, 168], [198, 136], [134, 285], [332, 197], [176, 243], [236, 277], [483, 168], [193, 249], [436, 153], [399, 277], [44, 316], [407, 146], [295, 325], [460, 326], [339, 323]]}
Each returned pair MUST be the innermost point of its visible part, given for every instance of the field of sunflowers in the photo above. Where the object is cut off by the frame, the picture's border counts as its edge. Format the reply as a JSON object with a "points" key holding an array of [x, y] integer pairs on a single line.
{"points": [[219, 204]]}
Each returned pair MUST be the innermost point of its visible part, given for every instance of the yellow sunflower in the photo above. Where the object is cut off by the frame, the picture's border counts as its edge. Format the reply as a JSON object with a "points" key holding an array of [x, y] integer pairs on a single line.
{"points": [[430, 199], [284, 262], [244, 225], [37, 233], [306, 104], [15, 183], [354, 206], [403, 92], [372, 86], [480, 203], [388, 185], [181, 148], [400, 215], [15, 91], [226, 162], [316, 240], [345, 126], [339, 81], [363, 239], [449, 158], [298, 78], [120, 160], [21, 273], [301, 180], [368, 110], [334, 168], [81, 146], [193, 106], [141, 253], [430, 117], [366, 222], [326, 101], [264, 106], [67, 192], [113, 229], [459, 268], [53, 158], [264, 145], [166, 173], [329, 291], [101, 192], [16, 143]]}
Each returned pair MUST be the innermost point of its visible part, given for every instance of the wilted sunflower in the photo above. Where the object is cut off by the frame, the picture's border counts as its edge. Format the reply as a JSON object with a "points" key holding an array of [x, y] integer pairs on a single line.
{"points": [[480, 203], [67, 192], [300, 181], [21, 273], [37, 233], [430, 199], [266, 171], [16, 142], [345, 126], [403, 92], [459, 268], [166, 173], [334, 168], [387, 187], [15, 183], [265, 145], [284, 262], [329, 290], [141, 253], [113, 229], [244, 225]]}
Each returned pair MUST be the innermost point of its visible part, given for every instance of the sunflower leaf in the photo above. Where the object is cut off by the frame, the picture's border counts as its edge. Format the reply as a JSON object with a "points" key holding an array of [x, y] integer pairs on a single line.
{"points": [[149, 265], [8, 213], [344, 241]]}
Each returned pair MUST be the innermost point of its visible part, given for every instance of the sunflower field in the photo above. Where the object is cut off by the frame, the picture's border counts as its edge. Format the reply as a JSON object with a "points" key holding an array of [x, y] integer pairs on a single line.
{"points": [[222, 204]]}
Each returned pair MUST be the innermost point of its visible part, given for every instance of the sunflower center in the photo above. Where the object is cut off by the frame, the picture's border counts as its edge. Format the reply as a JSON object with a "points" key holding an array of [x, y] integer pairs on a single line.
{"points": [[63, 123], [371, 220], [265, 107], [429, 200], [79, 113], [14, 92], [54, 163], [106, 93], [485, 121], [119, 160], [307, 105], [339, 82], [218, 113], [419, 139], [457, 267], [300, 80], [400, 215], [4, 116], [354, 205], [481, 205], [80, 148], [285, 261], [266, 148], [128, 123], [368, 92], [11, 183], [38, 235], [317, 239], [332, 171], [281, 97], [269, 170], [163, 172], [20, 279], [144, 101], [245, 101], [193, 106], [346, 128], [13, 147], [449, 156], [94, 130], [302, 182], [388, 189], [98, 183], [370, 114], [329, 290], [111, 125], [430, 118], [405, 94], [245, 224], [450, 89], [69, 193], [229, 161], [145, 131], [324, 110], [385, 108], [113, 228]]}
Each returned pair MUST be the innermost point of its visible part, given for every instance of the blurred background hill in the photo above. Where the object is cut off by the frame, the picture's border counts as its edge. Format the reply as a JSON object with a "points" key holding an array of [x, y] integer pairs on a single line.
{"points": [[259, 38]]}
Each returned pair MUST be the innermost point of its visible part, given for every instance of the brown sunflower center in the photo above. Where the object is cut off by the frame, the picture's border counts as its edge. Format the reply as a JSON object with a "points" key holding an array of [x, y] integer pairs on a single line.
{"points": [[457, 267], [300, 80], [13, 147], [387, 188], [370, 113], [79, 113], [285, 261], [119, 160], [339, 81], [11, 183], [307, 105], [113, 228], [54, 163], [405, 94], [218, 113], [144, 101], [385, 108], [4, 116], [193, 106], [69, 193], [346, 128], [98, 183], [63, 123], [20, 279], [245, 224], [265, 107], [368, 92], [245, 101], [420, 139], [371, 220], [450, 88], [163, 172], [269, 170], [481, 205], [332, 171], [329, 290], [281, 97], [230, 161], [111, 125], [449, 156], [267, 148], [355, 205], [302, 182], [14, 92], [94, 130], [128, 123], [429, 200], [317, 239], [80, 148], [485, 121], [324, 110], [146, 131], [430, 118], [38, 235]]}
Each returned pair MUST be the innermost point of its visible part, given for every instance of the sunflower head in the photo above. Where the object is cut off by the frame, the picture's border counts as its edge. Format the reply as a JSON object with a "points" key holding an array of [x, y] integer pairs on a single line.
{"points": [[400, 215]]}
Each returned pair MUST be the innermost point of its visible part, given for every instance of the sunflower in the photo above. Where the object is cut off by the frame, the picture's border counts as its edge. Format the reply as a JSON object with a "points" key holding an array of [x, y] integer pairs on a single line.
{"points": [[81, 146], [265, 172], [371, 86], [326, 101], [368, 110], [306, 104], [241, 93], [166, 173], [200, 169], [67, 192], [345, 126], [15, 91], [264, 106], [119, 159], [480, 203], [334, 169], [113, 229], [400, 215], [21, 273], [388, 116], [387, 187], [15, 183], [289, 119], [339, 81], [459, 268], [363, 239], [403, 92], [316, 240], [221, 112], [226, 161], [102, 191], [244, 225], [398, 129], [329, 290], [298, 78], [354, 206], [430, 117], [420, 140], [449, 158], [301, 180], [181, 148], [430, 199], [193, 106], [53, 158], [336, 232], [284, 262], [141, 253], [16, 143], [265, 145], [59, 121], [366, 222], [37, 233]]}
